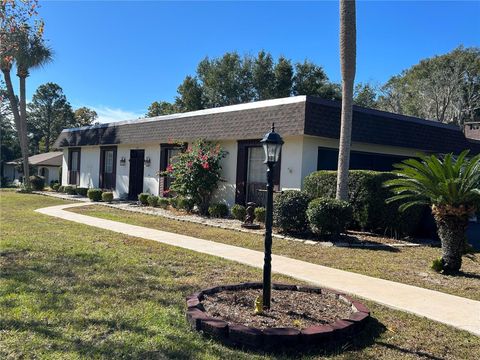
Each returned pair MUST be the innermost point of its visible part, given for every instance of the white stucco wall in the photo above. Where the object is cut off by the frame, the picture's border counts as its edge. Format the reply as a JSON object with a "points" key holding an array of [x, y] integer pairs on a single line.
{"points": [[53, 173], [226, 188], [64, 181]]}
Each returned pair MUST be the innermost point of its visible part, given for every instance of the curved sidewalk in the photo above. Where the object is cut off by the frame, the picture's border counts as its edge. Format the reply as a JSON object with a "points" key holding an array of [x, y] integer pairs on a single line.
{"points": [[452, 310]]}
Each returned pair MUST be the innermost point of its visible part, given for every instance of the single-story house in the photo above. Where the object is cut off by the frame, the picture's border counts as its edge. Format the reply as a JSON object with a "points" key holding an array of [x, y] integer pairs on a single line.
{"points": [[47, 165], [126, 156]]}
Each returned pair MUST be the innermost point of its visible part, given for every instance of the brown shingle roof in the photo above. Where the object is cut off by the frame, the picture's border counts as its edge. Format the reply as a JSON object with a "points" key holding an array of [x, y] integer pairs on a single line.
{"points": [[292, 116]]}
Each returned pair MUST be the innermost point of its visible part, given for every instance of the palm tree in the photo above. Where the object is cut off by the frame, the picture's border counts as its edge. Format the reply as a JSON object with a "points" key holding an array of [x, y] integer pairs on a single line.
{"points": [[348, 45], [451, 187]]}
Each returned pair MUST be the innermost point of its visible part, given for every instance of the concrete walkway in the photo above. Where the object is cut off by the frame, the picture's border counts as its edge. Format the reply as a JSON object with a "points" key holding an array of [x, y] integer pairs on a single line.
{"points": [[452, 310]]}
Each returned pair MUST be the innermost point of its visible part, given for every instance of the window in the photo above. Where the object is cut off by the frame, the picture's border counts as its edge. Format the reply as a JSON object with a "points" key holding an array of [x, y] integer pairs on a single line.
{"points": [[167, 157], [74, 167]]}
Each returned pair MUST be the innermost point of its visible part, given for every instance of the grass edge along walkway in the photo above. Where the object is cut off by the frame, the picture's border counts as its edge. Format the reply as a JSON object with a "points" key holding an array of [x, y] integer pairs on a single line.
{"points": [[452, 310]]}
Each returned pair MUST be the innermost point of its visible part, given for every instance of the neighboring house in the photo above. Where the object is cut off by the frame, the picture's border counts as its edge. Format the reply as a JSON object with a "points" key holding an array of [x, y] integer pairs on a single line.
{"points": [[127, 156], [47, 165]]}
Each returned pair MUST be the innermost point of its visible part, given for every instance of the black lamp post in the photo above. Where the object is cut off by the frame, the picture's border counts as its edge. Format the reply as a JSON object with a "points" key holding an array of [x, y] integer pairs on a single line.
{"points": [[272, 145]]}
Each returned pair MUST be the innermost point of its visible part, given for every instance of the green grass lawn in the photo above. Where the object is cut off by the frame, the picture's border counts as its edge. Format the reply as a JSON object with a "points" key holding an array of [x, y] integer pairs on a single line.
{"points": [[69, 291], [406, 265]]}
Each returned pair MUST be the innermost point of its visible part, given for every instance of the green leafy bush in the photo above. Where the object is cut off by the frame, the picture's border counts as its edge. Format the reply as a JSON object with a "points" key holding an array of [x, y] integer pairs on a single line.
{"points": [[329, 216], [196, 173], [239, 212], [289, 212], [186, 204], [61, 189], [260, 214], [163, 202], [437, 265], [82, 191], [107, 196], [70, 190], [143, 198], [55, 186], [218, 210], [37, 182], [152, 200], [95, 194], [367, 196]]}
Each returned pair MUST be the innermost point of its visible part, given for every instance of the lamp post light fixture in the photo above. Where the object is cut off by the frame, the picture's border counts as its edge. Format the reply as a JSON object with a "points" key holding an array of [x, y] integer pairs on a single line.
{"points": [[272, 145]]}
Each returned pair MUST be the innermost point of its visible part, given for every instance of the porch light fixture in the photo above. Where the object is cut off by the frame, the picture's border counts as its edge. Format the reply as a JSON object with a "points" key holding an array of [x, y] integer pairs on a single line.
{"points": [[147, 161], [272, 145], [123, 161]]}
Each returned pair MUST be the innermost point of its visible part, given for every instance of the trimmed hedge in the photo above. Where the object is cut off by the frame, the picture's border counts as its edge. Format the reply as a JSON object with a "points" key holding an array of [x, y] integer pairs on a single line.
{"points": [[329, 216], [218, 210], [152, 200], [184, 203], [95, 194], [143, 198], [260, 214], [239, 212], [37, 182], [82, 191], [289, 212], [69, 190], [55, 186], [163, 202], [61, 189], [107, 196], [367, 197]]}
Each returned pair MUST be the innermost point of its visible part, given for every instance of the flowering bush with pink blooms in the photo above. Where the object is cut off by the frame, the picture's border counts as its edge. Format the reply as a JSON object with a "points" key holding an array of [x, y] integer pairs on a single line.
{"points": [[195, 173]]}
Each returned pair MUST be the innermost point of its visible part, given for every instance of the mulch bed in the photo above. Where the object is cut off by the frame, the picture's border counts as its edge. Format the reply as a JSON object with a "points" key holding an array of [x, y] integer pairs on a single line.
{"points": [[288, 308]]}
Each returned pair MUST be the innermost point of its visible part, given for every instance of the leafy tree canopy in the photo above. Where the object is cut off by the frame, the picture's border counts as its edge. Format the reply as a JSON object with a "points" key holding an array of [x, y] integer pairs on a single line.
{"points": [[84, 116], [49, 113], [233, 79]]}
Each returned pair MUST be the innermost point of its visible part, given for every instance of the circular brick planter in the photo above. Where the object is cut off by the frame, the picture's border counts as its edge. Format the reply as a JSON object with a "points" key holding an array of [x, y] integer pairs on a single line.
{"points": [[274, 338]]}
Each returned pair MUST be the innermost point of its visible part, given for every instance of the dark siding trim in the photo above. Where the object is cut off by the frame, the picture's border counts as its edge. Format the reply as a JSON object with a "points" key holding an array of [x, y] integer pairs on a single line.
{"points": [[70, 174]]}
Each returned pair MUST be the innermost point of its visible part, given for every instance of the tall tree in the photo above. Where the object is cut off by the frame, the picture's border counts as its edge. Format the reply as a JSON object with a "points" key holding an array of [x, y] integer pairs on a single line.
{"points": [[263, 76], [84, 116], [158, 108], [445, 88], [365, 95], [348, 52], [9, 145], [50, 112], [190, 95], [283, 77], [310, 79], [18, 21]]}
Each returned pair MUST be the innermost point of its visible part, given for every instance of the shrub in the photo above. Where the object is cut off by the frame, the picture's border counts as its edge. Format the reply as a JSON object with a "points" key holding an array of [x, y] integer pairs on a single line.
{"points": [[143, 198], [437, 265], [163, 202], [186, 204], [55, 186], [37, 182], [81, 191], [70, 190], [61, 189], [289, 211], [196, 173], [260, 214], [218, 210], [329, 216], [152, 200], [95, 194], [239, 212], [107, 196], [367, 196]]}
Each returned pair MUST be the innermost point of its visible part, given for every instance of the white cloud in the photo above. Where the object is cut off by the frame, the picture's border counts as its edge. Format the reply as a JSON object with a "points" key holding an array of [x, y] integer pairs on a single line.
{"points": [[107, 114]]}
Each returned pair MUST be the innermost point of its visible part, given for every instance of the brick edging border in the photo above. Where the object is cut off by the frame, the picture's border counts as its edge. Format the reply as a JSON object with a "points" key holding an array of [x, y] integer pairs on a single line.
{"points": [[274, 338]]}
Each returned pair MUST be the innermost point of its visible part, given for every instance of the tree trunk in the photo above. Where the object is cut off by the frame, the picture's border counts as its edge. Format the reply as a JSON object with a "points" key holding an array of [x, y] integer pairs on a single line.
{"points": [[23, 135], [451, 230], [347, 61], [19, 124]]}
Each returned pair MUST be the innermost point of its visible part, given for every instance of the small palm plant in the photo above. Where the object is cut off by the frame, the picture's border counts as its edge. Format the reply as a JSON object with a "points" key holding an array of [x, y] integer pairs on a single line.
{"points": [[451, 187]]}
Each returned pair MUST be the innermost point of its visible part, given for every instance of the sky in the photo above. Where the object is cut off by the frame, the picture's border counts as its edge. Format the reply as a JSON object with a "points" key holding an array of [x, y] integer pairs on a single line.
{"points": [[117, 57]]}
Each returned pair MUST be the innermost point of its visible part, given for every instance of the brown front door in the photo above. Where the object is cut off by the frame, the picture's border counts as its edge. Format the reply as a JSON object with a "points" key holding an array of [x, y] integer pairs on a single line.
{"points": [[108, 167]]}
